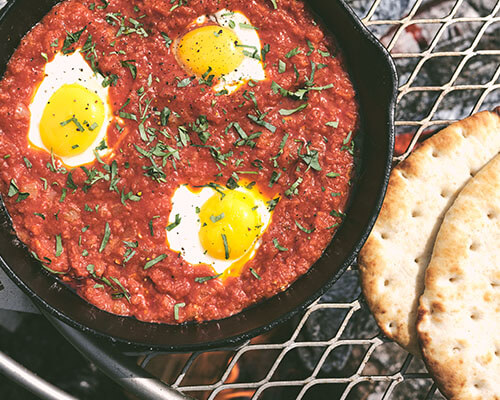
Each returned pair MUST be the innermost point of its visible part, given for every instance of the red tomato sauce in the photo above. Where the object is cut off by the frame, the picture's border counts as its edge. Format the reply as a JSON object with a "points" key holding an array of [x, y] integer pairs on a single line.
{"points": [[67, 233]]}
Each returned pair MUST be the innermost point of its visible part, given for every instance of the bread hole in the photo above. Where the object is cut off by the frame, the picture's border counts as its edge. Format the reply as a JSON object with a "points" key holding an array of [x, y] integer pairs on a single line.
{"points": [[386, 282], [416, 213], [497, 352], [474, 246], [435, 154], [417, 260], [495, 284], [452, 279], [492, 214], [403, 174], [475, 316], [456, 349], [384, 235]]}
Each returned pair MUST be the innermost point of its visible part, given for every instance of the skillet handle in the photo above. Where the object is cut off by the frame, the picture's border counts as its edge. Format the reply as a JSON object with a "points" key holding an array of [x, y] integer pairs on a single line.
{"points": [[121, 369]]}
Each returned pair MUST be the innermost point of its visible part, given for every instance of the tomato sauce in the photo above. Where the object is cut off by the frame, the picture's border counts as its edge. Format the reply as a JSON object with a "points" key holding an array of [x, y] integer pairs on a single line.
{"points": [[67, 233]]}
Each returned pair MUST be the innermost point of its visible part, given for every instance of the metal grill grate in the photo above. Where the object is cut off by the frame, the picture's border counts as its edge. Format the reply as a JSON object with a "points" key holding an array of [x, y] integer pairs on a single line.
{"points": [[448, 59]]}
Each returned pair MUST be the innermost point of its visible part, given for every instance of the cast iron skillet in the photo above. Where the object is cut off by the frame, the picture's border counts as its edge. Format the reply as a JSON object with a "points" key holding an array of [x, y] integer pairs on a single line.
{"points": [[375, 80]]}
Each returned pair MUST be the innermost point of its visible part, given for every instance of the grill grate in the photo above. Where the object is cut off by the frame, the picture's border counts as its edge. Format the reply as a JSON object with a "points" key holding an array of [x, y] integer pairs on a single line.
{"points": [[448, 59]]}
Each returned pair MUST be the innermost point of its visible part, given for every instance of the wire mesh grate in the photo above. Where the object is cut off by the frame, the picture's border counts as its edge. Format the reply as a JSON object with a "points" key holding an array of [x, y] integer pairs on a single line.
{"points": [[448, 58]]}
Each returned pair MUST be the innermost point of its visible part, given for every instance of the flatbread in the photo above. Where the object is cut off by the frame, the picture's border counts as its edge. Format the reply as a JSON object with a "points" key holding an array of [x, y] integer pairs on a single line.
{"points": [[459, 313], [421, 189]]}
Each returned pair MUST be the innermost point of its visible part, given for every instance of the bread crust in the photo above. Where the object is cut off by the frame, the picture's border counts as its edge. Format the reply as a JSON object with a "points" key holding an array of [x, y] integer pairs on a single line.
{"points": [[421, 189], [459, 313]]}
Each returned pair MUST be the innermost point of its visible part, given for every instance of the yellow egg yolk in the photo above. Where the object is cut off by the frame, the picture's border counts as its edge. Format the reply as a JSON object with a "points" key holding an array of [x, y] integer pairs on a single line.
{"points": [[71, 120], [210, 49], [230, 224]]}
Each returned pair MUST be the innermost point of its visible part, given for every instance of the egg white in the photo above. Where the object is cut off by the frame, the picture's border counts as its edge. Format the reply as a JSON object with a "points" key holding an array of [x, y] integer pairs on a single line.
{"points": [[68, 69], [250, 68], [184, 238]]}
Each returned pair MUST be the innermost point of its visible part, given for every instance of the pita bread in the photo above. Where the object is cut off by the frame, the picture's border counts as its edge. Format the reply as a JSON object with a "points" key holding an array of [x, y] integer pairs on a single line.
{"points": [[421, 189], [459, 313]]}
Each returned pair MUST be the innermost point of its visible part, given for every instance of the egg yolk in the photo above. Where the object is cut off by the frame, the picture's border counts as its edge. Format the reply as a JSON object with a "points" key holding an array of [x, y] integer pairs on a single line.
{"points": [[71, 120], [210, 48], [230, 224]]}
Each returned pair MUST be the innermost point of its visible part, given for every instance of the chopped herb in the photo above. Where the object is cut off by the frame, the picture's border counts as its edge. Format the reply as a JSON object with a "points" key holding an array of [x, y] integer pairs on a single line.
{"points": [[71, 39], [275, 4], [126, 115], [204, 279], [271, 204], [105, 239], [346, 145], [176, 309], [333, 124], [13, 190], [293, 111], [261, 122], [231, 183], [311, 48], [164, 116], [255, 274], [332, 174], [278, 246], [338, 214], [304, 229], [154, 261], [216, 218], [44, 55], [132, 68], [168, 41], [174, 224], [264, 50], [151, 231], [281, 66], [110, 80], [293, 52], [311, 158], [275, 176], [39, 215], [63, 195], [59, 248], [226, 247], [79, 126], [293, 189], [185, 82], [124, 292], [70, 183]]}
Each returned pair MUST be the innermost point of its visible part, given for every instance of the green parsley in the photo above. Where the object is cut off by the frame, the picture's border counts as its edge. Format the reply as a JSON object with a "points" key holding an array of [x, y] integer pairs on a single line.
{"points": [[174, 224], [105, 239], [59, 247], [278, 246], [176, 310], [255, 274], [203, 279], [226, 247], [154, 261], [304, 229], [292, 111]]}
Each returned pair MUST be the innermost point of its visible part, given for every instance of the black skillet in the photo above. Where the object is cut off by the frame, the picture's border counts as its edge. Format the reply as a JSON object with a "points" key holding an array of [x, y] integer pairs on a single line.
{"points": [[374, 76]]}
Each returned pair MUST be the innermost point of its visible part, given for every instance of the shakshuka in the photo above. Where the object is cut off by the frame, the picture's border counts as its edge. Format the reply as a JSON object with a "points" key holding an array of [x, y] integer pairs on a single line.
{"points": [[177, 160]]}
